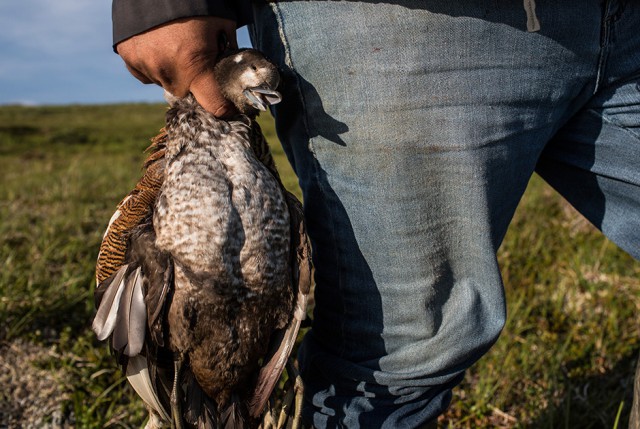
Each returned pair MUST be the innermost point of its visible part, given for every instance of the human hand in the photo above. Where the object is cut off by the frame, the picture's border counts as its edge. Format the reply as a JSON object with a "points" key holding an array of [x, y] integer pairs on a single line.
{"points": [[180, 56]]}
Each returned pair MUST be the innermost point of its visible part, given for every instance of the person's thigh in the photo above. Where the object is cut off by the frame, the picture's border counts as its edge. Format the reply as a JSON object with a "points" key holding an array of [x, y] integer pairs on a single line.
{"points": [[594, 159], [414, 128]]}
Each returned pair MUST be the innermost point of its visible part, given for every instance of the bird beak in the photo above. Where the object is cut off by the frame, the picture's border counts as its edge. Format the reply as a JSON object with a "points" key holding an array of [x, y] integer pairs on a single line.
{"points": [[260, 98]]}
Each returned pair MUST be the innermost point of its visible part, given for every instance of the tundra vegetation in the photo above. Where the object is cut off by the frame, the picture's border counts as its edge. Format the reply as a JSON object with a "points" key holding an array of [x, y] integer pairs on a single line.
{"points": [[565, 358]]}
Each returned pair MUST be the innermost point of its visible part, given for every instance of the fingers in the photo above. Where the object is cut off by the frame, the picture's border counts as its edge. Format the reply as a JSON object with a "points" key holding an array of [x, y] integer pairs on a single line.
{"points": [[180, 57], [138, 74], [204, 85]]}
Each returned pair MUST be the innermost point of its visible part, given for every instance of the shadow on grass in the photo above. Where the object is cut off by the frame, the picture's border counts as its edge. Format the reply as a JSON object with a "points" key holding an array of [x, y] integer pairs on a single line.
{"points": [[45, 322], [595, 401]]}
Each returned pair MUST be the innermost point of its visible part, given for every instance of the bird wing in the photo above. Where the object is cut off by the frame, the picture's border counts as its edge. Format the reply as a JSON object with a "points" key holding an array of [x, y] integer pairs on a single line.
{"points": [[301, 249], [131, 304], [117, 283], [132, 211], [283, 340], [131, 290]]}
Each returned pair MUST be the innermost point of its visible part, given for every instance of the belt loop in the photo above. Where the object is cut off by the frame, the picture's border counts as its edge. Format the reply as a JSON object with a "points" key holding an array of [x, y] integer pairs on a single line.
{"points": [[533, 24]]}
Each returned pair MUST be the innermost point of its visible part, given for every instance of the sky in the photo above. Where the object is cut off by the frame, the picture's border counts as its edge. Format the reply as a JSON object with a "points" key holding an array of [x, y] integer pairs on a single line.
{"points": [[59, 52]]}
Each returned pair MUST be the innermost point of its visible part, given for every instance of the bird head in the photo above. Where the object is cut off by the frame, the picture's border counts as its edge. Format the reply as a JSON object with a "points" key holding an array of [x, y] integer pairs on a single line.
{"points": [[248, 80]]}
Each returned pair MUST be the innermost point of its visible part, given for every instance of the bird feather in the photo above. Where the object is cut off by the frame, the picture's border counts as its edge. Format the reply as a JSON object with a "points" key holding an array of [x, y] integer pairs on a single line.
{"points": [[105, 320], [283, 340], [137, 319], [232, 417], [200, 411], [158, 279], [121, 329], [138, 377], [130, 323]]}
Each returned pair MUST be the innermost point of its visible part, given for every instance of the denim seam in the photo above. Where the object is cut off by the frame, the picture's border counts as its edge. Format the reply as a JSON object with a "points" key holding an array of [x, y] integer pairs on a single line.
{"points": [[615, 123], [605, 38], [289, 62]]}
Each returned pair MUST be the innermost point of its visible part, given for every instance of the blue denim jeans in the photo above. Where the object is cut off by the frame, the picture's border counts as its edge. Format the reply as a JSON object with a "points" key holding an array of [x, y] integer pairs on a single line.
{"points": [[414, 127]]}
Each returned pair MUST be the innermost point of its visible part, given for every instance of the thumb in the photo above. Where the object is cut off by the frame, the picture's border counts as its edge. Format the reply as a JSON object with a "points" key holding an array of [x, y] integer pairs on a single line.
{"points": [[206, 91], [205, 87]]}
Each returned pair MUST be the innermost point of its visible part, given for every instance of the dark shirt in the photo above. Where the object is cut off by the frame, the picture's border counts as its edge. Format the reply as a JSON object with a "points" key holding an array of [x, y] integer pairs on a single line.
{"points": [[131, 17]]}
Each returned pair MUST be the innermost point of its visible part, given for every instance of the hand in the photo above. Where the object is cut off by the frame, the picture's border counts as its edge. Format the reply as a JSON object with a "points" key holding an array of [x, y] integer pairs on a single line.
{"points": [[180, 56]]}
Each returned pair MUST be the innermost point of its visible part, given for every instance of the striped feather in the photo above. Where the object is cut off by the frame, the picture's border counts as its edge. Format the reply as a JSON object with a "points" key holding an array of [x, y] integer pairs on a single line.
{"points": [[132, 211]]}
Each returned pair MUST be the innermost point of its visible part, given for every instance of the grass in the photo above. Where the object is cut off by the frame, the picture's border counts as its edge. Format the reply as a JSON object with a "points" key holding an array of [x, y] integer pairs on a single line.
{"points": [[564, 360]]}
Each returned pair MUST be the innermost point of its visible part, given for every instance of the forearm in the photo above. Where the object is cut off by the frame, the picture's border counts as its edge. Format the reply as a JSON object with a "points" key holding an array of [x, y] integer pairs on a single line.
{"points": [[131, 17]]}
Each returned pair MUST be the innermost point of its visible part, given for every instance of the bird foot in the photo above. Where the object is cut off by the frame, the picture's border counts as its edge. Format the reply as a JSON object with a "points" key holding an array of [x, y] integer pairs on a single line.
{"points": [[155, 421], [298, 387], [269, 420], [290, 416], [285, 410]]}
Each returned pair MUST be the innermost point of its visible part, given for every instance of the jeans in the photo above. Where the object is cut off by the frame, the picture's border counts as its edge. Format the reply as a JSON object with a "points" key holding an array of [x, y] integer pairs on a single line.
{"points": [[414, 128]]}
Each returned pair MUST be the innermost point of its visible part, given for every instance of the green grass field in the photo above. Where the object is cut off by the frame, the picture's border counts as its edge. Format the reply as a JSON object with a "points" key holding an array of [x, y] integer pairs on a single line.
{"points": [[565, 359]]}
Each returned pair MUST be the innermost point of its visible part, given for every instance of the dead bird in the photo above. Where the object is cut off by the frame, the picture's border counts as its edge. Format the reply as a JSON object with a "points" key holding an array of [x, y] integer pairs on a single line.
{"points": [[204, 271]]}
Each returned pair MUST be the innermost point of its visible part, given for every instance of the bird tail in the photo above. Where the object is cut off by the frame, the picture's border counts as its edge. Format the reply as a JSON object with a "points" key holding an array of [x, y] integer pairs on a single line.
{"points": [[236, 416], [201, 411]]}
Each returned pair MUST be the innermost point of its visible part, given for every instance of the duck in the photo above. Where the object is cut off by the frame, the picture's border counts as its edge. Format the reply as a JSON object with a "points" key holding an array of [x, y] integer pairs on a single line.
{"points": [[204, 271]]}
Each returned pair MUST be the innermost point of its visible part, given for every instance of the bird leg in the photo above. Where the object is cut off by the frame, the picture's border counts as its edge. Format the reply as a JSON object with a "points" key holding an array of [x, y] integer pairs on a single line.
{"points": [[269, 421], [298, 387], [155, 421], [176, 403], [286, 406], [296, 391]]}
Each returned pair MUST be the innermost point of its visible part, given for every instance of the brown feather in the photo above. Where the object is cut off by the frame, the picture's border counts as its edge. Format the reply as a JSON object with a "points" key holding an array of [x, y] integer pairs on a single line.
{"points": [[634, 421], [134, 209]]}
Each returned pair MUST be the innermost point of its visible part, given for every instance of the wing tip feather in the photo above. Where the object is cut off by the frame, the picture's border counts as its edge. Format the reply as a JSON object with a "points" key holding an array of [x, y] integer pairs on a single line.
{"points": [[139, 378]]}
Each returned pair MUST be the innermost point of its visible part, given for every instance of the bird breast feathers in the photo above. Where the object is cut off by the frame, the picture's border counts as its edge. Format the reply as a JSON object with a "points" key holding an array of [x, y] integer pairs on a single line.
{"points": [[219, 206]]}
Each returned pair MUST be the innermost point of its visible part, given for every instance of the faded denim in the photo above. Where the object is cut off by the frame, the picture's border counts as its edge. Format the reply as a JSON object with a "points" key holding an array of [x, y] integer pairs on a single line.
{"points": [[414, 127]]}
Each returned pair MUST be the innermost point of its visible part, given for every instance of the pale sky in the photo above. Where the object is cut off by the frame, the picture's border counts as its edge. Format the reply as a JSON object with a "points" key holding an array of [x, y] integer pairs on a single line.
{"points": [[59, 52]]}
